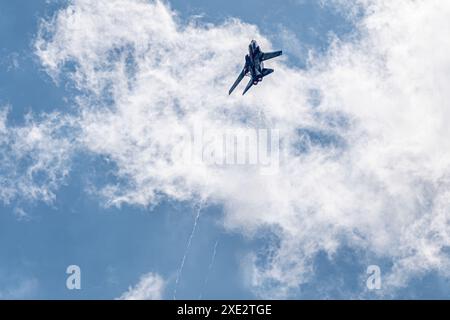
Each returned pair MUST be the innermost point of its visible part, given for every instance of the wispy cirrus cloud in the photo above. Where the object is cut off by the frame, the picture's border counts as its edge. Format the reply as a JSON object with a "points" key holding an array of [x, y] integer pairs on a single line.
{"points": [[35, 157]]}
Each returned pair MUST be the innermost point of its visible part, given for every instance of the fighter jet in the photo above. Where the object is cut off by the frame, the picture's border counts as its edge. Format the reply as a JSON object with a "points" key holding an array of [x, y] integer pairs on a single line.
{"points": [[254, 66]]}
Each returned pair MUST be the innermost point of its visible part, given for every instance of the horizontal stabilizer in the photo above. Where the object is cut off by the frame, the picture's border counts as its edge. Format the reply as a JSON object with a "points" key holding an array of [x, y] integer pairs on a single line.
{"points": [[266, 72]]}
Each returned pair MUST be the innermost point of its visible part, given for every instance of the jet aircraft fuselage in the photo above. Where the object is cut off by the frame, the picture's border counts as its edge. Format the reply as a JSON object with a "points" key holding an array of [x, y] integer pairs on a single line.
{"points": [[254, 62], [254, 66]]}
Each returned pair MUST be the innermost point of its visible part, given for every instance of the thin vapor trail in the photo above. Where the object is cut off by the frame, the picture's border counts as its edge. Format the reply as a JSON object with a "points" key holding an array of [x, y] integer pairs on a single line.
{"points": [[186, 252], [211, 265]]}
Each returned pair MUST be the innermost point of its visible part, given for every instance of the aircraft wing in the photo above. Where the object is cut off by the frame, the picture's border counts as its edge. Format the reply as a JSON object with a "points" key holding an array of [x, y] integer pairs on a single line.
{"points": [[238, 80], [249, 85], [271, 55]]}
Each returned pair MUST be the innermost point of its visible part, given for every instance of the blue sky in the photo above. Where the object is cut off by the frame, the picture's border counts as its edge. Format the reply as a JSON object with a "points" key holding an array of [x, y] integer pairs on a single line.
{"points": [[115, 246]]}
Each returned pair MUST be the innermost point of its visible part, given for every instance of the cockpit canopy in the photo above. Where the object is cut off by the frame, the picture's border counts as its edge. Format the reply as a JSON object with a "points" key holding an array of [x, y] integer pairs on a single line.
{"points": [[253, 47]]}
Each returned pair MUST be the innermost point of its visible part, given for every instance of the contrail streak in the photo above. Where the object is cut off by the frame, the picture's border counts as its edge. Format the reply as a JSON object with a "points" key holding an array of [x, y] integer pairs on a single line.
{"points": [[211, 265], [186, 252]]}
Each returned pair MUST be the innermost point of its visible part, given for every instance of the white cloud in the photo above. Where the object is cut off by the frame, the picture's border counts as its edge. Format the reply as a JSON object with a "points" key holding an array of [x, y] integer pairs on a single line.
{"points": [[150, 287], [378, 182], [35, 157]]}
